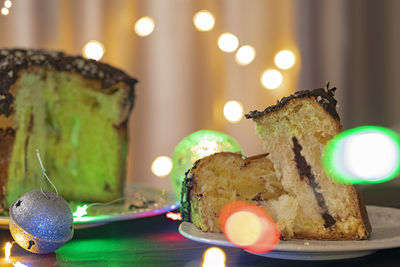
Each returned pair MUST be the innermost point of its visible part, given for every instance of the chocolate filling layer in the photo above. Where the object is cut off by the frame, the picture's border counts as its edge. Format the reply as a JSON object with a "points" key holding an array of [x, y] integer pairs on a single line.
{"points": [[305, 171], [324, 96]]}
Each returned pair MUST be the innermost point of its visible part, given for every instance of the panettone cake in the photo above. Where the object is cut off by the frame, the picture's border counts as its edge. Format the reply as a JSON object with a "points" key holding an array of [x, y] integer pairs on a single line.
{"points": [[289, 181], [75, 111]]}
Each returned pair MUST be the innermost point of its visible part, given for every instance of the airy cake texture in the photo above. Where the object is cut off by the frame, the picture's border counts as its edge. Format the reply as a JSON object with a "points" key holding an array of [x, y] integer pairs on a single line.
{"points": [[295, 190], [225, 177], [75, 111]]}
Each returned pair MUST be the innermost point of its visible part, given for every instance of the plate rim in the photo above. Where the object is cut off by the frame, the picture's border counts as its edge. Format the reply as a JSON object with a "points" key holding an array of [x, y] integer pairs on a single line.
{"points": [[5, 220], [314, 256], [360, 245]]}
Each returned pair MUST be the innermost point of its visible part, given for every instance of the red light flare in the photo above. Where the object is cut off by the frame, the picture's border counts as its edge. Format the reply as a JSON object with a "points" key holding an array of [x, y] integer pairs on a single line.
{"points": [[174, 216], [249, 227]]}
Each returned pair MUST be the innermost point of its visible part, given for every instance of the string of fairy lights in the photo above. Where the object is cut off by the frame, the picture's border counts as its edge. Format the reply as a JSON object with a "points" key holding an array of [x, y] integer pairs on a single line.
{"points": [[270, 78], [203, 21]]}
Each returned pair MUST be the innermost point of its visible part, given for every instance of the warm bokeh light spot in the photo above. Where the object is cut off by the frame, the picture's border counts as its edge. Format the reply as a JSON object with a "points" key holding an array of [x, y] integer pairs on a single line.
{"points": [[228, 42], [245, 55], [271, 79], [161, 166], [7, 3], [19, 264], [144, 26], [176, 216], [93, 50], [367, 154], [214, 257], [233, 111], [244, 228], [204, 20], [285, 59], [5, 11], [249, 227], [7, 250]]}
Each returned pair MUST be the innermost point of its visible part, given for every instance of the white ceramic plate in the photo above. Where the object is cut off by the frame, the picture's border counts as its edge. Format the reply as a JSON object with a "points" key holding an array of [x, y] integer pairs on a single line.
{"points": [[155, 201], [385, 234]]}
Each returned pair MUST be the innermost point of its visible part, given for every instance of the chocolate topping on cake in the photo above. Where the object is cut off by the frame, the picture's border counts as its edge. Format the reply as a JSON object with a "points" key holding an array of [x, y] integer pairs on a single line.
{"points": [[305, 171], [14, 60], [187, 186], [325, 97]]}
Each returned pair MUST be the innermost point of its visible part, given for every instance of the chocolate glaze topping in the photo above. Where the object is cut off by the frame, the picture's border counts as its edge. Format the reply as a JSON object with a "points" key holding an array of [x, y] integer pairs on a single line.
{"points": [[14, 60], [305, 171], [187, 186], [324, 96]]}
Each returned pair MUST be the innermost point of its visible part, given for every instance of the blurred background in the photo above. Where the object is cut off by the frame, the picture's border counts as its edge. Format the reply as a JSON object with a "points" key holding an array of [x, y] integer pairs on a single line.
{"points": [[189, 68]]}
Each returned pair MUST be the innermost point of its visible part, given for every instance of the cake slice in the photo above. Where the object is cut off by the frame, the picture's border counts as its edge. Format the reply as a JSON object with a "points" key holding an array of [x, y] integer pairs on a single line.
{"points": [[295, 132], [75, 111], [289, 182], [223, 177]]}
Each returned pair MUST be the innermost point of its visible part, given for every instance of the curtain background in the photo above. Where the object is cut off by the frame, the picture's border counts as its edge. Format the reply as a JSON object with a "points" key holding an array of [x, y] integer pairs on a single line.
{"points": [[354, 45], [185, 80]]}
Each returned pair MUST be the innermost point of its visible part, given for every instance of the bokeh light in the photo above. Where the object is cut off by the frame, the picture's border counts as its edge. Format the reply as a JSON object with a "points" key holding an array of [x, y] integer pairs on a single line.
{"points": [[5, 11], [7, 3], [196, 146], [228, 42], [271, 79], [144, 26], [204, 20], [244, 228], [249, 227], [245, 55], [93, 50], [214, 257], [80, 212], [366, 154], [19, 264], [233, 111], [176, 216], [361, 164], [285, 59], [7, 250], [161, 166]]}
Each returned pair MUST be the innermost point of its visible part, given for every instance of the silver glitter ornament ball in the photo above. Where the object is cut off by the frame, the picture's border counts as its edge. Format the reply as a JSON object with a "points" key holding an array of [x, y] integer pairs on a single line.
{"points": [[41, 222]]}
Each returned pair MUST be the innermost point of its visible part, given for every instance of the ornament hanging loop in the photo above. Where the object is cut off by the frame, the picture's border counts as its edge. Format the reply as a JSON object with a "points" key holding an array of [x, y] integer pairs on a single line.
{"points": [[45, 176]]}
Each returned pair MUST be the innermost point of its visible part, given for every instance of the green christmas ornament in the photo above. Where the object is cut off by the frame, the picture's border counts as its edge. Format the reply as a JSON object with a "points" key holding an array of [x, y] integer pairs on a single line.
{"points": [[196, 146]]}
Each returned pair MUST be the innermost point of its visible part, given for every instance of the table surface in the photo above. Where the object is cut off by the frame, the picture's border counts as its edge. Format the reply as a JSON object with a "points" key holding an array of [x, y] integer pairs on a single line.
{"points": [[155, 241]]}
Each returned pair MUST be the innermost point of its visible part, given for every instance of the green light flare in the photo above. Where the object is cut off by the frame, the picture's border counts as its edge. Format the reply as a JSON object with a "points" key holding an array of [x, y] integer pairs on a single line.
{"points": [[366, 154], [130, 246], [196, 146]]}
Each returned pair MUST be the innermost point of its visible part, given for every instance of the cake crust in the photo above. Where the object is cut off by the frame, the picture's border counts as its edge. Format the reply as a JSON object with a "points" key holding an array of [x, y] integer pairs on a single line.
{"points": [[324, 96]]}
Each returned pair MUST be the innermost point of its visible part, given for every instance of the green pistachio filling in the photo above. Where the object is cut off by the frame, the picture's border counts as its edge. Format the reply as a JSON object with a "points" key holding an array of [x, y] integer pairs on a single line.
{"points": [[73, 125]]}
